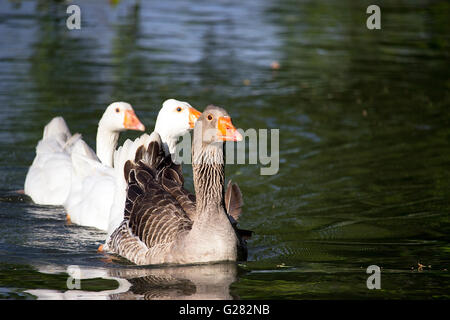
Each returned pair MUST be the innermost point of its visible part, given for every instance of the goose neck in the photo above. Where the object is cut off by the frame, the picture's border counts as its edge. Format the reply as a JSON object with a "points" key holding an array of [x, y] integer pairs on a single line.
{"points": [[106, 143], [168, 139], [209, 178]]}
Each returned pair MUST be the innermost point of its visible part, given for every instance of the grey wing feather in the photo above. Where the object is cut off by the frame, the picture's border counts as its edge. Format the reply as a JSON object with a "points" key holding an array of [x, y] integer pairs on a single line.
{"points": [[155, 216], [170, 176], [233, 200], [152, 216]]}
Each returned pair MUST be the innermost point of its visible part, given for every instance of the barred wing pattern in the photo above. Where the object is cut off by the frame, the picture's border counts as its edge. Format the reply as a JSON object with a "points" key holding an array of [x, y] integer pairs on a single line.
{"points": [[153, 218], [170, 175]]}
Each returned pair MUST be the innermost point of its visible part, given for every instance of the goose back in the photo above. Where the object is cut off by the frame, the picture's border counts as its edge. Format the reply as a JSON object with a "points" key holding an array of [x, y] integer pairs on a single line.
{"points": [[153, 218]]}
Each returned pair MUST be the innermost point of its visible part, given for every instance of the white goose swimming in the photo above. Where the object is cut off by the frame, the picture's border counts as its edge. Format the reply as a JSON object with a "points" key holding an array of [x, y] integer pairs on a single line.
{"points": [[97, 195], [49, 177]]}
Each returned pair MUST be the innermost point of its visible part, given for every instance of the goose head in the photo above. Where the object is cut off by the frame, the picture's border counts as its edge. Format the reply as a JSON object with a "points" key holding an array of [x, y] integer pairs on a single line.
{"points": [[212, 129], [120, 116], [175, 119], [214, 126]]}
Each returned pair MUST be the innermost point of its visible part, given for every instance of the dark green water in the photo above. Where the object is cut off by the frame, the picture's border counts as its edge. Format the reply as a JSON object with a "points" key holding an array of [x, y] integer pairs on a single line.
{"points": [[364, 119]]}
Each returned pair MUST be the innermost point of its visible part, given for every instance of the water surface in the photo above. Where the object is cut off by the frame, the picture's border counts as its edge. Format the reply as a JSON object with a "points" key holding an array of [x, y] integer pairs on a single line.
{"points": [[364, 123]]}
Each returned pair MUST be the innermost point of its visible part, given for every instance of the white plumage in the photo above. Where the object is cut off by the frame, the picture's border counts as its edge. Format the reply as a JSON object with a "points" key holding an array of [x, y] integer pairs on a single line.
{"points": [[49, 177], [97, 195]]}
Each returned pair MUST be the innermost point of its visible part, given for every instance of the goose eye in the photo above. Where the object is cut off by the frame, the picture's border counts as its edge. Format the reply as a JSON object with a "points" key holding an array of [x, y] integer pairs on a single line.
{"points": [[117, 110], [210, 117], [179, 109]]}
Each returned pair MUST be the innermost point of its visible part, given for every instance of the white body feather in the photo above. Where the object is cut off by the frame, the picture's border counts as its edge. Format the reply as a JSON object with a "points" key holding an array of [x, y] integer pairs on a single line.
{"points": [[97, 194], [48, 178]]}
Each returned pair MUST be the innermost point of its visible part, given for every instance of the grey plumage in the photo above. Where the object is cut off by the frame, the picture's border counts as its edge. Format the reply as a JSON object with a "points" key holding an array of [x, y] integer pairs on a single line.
{"points": [[164, 223]]}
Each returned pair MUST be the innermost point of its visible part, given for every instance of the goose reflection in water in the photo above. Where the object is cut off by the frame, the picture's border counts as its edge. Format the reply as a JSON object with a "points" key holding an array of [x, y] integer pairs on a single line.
{"points": [[191, 282]]}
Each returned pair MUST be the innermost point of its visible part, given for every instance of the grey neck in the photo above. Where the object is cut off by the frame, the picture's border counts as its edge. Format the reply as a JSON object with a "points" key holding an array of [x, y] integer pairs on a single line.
{"points": [[209, 178]]}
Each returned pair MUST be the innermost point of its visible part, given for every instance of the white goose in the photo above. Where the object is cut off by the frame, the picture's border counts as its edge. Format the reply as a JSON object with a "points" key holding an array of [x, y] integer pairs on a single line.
{"points": [[97, 195], [49, 177]]}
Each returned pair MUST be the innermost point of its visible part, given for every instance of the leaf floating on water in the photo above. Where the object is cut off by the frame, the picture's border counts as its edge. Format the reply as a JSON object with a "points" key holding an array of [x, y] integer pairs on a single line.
{"points": [[275, 65], [421, 266]]}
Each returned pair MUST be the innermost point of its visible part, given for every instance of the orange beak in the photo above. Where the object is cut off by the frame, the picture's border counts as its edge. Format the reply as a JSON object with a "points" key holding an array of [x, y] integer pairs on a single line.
{"points": [[194, 114], [226, 130], [132, 122]]}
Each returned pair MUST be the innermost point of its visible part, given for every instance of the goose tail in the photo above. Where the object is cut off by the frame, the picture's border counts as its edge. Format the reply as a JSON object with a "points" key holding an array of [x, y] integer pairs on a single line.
{"points": [[57, 127], [233, 200]]}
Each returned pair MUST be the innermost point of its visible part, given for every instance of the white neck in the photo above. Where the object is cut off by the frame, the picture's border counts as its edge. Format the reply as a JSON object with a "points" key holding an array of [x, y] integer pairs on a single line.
{"points": [[169, 145], [106, 144], [168, 141]]}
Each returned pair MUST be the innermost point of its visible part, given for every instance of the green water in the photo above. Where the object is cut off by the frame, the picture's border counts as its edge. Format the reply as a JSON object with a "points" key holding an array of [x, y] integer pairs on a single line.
{"points": [[364, 120]]}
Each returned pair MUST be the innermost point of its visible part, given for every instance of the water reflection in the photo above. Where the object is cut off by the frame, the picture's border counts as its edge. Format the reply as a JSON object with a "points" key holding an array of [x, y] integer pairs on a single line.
{"points": [[194, 282], [209, 281]]}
